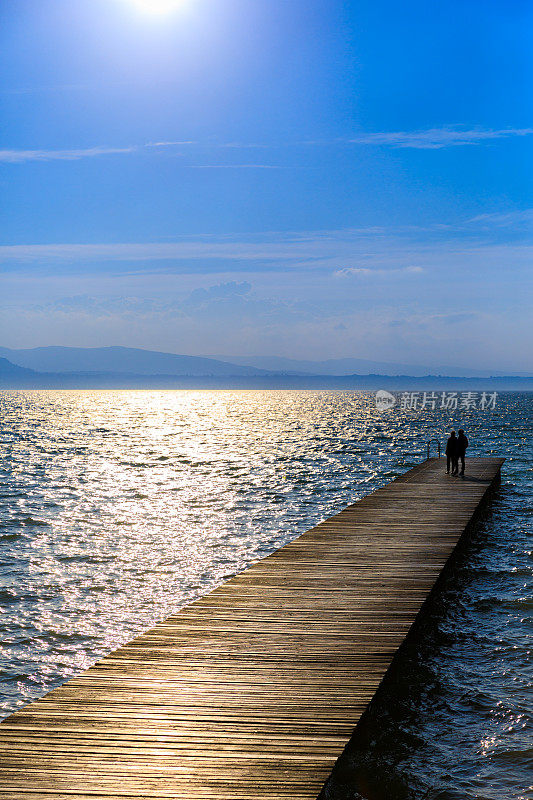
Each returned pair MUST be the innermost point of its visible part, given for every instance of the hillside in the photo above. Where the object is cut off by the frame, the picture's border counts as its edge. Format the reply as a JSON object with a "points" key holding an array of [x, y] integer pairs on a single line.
{"points": [[124, 360]]}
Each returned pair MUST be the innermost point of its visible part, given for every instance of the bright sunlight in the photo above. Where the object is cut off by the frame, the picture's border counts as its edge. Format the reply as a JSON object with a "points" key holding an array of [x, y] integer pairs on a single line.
{"points": [[158, 6]]}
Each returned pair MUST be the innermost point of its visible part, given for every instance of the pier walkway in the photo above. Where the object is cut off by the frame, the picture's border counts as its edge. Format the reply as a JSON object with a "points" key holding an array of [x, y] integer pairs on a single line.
{"points": [[252, 691]]}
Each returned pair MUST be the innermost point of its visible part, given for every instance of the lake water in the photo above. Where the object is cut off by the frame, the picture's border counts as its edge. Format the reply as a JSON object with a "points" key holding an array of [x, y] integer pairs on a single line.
{"points": [[119, 507]]}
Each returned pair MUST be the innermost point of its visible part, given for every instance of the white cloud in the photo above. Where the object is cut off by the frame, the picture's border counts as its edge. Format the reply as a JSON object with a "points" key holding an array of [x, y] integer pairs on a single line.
{"points": [[221, 291], [13, 156], [202, 248], [19, 156], [169, 144], [233, 166], [437, 138], [349, 272], [312, 252], [505, 219], [428, 139], [467, 307]]}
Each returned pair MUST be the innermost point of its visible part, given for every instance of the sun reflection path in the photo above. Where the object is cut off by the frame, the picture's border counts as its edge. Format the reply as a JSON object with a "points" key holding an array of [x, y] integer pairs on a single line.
{"points": [[120, 507]]}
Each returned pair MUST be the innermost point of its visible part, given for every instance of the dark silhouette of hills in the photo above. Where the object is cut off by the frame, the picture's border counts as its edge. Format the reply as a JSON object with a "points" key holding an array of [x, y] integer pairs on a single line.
{"points": [[13, 376], [9, 370], [126, 360]]}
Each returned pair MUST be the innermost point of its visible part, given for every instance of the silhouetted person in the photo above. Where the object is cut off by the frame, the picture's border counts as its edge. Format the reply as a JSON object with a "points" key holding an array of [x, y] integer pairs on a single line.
{"points": [[462, 444], [452, 454]]}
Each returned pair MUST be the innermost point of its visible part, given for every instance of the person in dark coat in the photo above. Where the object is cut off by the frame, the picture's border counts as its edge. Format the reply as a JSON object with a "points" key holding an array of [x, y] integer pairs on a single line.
{"points": [[452, 454], [462, 444]]}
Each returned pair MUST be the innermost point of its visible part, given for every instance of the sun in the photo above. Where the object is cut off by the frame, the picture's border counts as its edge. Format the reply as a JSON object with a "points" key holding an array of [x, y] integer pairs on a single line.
{"points": [[158, 6]]}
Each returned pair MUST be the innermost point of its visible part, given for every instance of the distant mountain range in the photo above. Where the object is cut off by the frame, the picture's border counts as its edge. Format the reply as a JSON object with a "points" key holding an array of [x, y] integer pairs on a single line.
{"points": [[360, 366], [133, 368], [7, 369], [126, 360], [132, 360]]}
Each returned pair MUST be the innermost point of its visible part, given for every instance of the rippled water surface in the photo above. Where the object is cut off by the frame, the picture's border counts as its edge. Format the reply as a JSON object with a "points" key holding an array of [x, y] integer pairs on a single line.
{"points": [[119, 507]]}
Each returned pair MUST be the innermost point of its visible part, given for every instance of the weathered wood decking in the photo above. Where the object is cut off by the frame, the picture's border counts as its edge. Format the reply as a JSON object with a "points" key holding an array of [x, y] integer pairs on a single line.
{"points": [[252, 691]]}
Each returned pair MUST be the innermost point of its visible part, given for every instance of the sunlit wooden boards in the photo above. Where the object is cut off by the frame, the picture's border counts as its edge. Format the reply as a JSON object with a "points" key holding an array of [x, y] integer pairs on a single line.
{"points": [[252, 691]]}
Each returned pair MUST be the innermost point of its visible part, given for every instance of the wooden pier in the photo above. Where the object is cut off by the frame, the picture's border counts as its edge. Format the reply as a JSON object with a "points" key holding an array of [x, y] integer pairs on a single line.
{"points": [[252, 691]]}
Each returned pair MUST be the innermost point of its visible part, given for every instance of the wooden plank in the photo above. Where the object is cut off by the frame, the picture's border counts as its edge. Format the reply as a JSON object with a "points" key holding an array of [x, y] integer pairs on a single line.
{"points": [[253, 690]]}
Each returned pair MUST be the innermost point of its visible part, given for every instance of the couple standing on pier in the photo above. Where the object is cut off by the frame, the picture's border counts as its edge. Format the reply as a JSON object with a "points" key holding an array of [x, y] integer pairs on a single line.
{"points": [[455, 450]]}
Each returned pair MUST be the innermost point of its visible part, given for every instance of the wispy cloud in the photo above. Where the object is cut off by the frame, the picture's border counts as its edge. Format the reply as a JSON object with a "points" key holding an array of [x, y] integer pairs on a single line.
{"points": [[365, 272], [229, 299], [186, 249], [233, 166], [438, 138], [216, 145], [66, 87], [430, 139], [19, 156], [425, 139], [13, 156], [169, 144], [360, 252], [515, 218]]}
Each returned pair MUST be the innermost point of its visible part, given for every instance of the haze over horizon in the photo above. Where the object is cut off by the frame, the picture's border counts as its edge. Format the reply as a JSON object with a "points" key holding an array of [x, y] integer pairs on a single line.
{"points": [[138, 361], [311, 180]]}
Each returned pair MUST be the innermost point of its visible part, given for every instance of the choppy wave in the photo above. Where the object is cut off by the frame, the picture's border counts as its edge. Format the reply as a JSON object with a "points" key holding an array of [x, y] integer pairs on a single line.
{"points": [[120, 507]]}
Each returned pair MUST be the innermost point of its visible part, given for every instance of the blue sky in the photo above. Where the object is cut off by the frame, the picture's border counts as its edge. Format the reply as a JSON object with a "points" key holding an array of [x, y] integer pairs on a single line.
{"points": [[312, 179]]}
